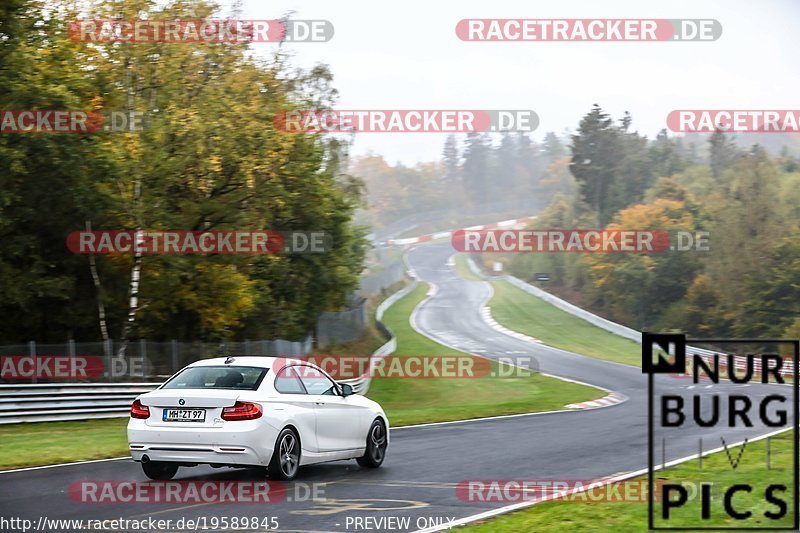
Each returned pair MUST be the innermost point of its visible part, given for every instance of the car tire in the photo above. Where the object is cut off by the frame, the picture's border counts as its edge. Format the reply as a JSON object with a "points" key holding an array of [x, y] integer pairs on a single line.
{"points": [[377, 443], [285, 461], [159, 470]]}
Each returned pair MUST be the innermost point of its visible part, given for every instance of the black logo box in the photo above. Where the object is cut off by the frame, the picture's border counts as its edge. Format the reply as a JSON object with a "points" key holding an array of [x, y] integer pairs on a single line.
{"points": [[678, 341]]}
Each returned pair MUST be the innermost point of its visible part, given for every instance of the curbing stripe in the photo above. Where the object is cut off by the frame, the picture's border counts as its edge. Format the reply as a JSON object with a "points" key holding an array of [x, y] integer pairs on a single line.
{"points": [[448, 233], [486, 314], [606, 401]]}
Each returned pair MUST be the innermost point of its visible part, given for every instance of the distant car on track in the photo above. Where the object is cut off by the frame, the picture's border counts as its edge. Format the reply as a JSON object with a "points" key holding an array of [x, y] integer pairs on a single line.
{"points": [[254, 411]]}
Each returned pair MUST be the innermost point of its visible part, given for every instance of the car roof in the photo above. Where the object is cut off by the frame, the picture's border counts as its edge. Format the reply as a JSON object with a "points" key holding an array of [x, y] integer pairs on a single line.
{"points": [[260, 361]]}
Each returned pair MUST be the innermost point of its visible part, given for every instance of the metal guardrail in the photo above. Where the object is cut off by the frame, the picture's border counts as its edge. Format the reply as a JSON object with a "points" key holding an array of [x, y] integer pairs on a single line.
{"points": [[68, 401]]}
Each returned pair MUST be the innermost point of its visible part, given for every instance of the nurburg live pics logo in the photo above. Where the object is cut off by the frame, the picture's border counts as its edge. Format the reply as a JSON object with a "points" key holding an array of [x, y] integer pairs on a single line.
{"points": [[747, 390]]}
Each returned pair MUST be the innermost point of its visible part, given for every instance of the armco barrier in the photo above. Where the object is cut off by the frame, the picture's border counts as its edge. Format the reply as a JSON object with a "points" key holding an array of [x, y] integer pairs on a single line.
{"points": [[361, 384], [61, 402]]}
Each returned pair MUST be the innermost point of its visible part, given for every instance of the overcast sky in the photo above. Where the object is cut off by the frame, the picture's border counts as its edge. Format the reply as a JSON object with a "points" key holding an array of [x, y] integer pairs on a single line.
{"points": [[405, 55]]}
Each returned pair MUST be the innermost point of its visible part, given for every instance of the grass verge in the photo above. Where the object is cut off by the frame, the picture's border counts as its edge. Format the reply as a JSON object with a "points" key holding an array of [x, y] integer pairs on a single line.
{"points": [[463, 270], [525, 313], [631, 516], [45, 443]]}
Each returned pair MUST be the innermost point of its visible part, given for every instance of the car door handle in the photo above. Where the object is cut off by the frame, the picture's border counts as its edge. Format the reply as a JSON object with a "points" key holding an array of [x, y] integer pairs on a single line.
{"points": [[320, 403]]}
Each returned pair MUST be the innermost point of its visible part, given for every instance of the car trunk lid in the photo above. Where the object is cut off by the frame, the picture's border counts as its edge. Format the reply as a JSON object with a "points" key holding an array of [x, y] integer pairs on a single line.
{"points": [[188, 407]]}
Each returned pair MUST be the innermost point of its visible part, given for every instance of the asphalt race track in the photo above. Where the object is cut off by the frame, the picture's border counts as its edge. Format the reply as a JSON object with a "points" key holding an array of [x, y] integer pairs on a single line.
{"points": [[424, 464]]}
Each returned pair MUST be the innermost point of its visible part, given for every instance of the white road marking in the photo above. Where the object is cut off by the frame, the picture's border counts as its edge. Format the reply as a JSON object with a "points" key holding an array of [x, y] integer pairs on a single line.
{"points": [[63, 464]]}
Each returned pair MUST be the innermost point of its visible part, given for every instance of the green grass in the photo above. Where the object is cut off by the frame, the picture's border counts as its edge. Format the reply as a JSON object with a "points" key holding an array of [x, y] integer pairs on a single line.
{"points": [[463, 270], [523, 312], [632, 516], [415, 401], [46, 443]]}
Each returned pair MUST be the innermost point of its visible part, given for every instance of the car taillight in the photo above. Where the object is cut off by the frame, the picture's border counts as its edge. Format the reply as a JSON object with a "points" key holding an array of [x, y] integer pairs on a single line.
{"points": [[242, 411], [139, 411]]}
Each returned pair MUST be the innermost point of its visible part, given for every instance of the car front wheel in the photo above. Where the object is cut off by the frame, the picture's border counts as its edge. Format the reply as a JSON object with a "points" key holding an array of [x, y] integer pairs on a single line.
{"points": [[377, 442]]}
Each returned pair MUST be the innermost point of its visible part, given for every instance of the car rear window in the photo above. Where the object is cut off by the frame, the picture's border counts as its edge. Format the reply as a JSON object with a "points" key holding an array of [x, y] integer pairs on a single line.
{"points": [[218, 377]]}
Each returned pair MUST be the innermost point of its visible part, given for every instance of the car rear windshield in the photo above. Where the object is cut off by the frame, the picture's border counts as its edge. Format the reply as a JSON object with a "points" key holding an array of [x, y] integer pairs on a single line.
{"points": [[218, 377]]}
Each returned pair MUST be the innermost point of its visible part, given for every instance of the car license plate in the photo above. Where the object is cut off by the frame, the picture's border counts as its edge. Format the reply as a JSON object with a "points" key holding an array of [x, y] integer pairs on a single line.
{"points": [[184, 415]]}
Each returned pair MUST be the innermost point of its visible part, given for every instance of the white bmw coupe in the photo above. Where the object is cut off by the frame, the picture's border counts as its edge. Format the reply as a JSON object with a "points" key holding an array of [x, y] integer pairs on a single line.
{"points": [[254, 411]]}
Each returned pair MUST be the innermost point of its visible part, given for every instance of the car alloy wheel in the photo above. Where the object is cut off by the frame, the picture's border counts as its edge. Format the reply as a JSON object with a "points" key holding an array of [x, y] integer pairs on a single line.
{"points": [[289, 454], [377, 438], [377, 442]]}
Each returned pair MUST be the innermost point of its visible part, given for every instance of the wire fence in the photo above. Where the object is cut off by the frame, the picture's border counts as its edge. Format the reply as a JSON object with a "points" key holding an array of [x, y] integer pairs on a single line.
{"points": [[342, 326], [380, 281], [76, 362], [146, 360]]}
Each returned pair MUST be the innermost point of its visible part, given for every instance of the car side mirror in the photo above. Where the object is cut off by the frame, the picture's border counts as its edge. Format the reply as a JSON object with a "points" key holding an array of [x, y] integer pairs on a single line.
{"points": [[347, 390]]}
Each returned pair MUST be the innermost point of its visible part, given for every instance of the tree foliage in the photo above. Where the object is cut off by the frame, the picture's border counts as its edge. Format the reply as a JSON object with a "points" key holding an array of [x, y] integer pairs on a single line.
{"points": [[209, 158], [744, 284]]}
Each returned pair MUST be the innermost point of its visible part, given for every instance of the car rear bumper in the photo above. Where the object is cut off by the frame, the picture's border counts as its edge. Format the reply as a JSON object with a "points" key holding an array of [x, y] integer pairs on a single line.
{"points": [[237, 443]]}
